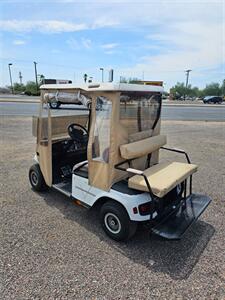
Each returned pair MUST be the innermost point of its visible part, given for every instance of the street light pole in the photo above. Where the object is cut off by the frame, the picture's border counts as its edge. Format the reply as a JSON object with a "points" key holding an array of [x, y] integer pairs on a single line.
{"points": [[35, 70], [187, 77], [102, 69], [10, 76]]}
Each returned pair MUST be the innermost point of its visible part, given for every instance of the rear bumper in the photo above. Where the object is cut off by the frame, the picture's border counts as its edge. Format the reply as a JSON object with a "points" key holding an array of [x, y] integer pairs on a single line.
{"points": [[174, 225]]}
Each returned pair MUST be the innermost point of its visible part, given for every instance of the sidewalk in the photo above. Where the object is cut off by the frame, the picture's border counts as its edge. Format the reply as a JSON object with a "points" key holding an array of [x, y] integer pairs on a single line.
{"points": [[20, 100]]}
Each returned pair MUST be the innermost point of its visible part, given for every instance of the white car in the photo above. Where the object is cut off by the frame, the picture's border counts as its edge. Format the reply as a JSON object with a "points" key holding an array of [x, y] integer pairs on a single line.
{"points": [[59, 97]]}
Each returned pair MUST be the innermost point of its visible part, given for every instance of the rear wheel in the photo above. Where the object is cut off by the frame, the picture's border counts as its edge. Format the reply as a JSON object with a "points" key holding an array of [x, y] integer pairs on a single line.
{"points": [[116, 222], [36, 178]]}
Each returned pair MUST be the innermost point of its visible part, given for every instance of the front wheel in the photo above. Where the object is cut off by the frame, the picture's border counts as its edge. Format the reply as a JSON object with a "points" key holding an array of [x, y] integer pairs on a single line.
{"points": [[116, 222], [36, 178]]}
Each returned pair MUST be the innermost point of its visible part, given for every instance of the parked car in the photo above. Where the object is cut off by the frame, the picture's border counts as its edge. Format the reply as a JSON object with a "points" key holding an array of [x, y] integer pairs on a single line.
{"points": [[199, 98], [58, 98], [213, 99]]}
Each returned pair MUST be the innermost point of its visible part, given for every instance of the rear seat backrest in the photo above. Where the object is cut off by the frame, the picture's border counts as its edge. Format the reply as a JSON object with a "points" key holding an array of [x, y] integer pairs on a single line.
{"points": [[142, 147], [137, 136]]}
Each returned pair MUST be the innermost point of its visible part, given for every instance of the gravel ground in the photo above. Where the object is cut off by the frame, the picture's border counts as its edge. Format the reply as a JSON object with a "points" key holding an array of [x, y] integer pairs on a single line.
{"points": [[52, 249]]}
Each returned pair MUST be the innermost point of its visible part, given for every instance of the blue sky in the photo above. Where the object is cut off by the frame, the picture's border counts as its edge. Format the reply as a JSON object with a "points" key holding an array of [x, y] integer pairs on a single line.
{"points": [[156, 40]]}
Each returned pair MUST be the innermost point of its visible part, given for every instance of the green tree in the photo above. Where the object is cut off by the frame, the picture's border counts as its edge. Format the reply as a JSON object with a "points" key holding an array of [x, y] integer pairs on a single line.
{"points": [[212, 89], [134, 80], [194, 92], [131, 80], [179, 90], [19, 88], [223, 88], [41, 78], [123, 79], [31, 88]]}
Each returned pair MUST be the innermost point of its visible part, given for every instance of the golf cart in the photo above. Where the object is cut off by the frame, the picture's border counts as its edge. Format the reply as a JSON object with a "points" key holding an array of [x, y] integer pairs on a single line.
{"points": [[109, 158]]}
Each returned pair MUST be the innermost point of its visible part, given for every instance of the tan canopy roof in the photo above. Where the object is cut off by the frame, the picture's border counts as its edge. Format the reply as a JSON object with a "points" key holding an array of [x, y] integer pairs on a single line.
{"points": [[106, 87]]}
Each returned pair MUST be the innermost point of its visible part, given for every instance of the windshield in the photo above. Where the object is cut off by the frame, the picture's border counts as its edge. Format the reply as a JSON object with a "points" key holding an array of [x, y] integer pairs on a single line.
{"points": [[66, 108], [139, 111]]}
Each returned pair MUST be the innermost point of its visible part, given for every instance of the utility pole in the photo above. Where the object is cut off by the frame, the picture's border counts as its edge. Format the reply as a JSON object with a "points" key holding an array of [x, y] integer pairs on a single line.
{"points": [[10, 76], [102, 69], [35, 70], [187, 78], [223, 90], [20, 77]]}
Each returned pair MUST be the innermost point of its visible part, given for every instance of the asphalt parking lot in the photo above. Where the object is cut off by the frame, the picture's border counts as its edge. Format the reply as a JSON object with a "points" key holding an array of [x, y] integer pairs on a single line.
{"points": [[52, 249]]}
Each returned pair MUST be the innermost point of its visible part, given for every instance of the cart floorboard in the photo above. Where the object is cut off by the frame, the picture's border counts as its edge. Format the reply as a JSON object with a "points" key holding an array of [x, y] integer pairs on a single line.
{"points": [[64, 187]]}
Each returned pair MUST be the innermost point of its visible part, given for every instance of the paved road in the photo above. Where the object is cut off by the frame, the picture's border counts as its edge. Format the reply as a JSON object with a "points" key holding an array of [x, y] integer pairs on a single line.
{"points": [[200, 113]]}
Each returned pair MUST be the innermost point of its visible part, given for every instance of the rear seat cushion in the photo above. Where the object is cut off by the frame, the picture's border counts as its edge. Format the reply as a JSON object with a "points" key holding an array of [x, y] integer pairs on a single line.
{"points": [[162, 177], [142, 147]]}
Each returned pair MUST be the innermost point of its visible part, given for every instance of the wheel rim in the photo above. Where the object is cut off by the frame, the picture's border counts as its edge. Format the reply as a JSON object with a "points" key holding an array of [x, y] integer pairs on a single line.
{"points": [[34, 178], [112, 223], [54, 104]]}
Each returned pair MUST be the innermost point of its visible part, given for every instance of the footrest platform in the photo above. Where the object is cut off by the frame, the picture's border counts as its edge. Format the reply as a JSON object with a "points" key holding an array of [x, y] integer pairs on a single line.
{"points": [[176, 223]]}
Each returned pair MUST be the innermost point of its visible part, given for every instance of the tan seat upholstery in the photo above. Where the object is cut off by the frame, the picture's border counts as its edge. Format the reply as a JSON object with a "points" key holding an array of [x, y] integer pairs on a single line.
{"points": [[162, 177], [142, 147]]}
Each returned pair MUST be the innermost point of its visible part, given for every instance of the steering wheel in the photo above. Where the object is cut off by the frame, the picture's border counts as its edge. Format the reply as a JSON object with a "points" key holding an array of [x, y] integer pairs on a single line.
{"points": [[78, 133]]}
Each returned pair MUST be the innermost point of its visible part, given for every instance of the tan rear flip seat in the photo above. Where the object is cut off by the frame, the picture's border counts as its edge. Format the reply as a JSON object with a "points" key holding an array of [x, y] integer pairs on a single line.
{"points": [[162, 177]]}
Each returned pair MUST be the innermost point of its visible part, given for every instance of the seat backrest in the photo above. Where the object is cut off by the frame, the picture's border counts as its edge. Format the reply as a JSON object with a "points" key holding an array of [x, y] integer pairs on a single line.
{"points": [[142, 147]]}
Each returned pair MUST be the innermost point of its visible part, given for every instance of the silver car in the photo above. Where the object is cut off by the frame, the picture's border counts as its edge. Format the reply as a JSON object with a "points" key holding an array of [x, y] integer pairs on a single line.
{"points": [[58, 98]]}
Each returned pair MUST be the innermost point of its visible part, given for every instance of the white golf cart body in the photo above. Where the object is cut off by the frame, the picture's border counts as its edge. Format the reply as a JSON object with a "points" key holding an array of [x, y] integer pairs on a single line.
{"points": [[120, 161]]}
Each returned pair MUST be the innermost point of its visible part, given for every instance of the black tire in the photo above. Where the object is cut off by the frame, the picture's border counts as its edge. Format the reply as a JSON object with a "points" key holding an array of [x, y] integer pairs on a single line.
{"points": [[36, 178], [116, 222], [54, 105]]}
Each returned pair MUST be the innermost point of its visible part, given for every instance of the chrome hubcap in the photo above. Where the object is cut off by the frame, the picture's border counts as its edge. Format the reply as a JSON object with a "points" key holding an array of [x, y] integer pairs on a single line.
{"points": [[34, 178], [112, 223]]}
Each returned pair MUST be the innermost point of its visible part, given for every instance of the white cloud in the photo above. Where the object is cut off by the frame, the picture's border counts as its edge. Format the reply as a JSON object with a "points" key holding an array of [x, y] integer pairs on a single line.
{"points": [[189, 44], [197, 45], [86, 43], [109, 46], [18, 42], [180, 34], [79, 44], [51, 26], [104, 22]]}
